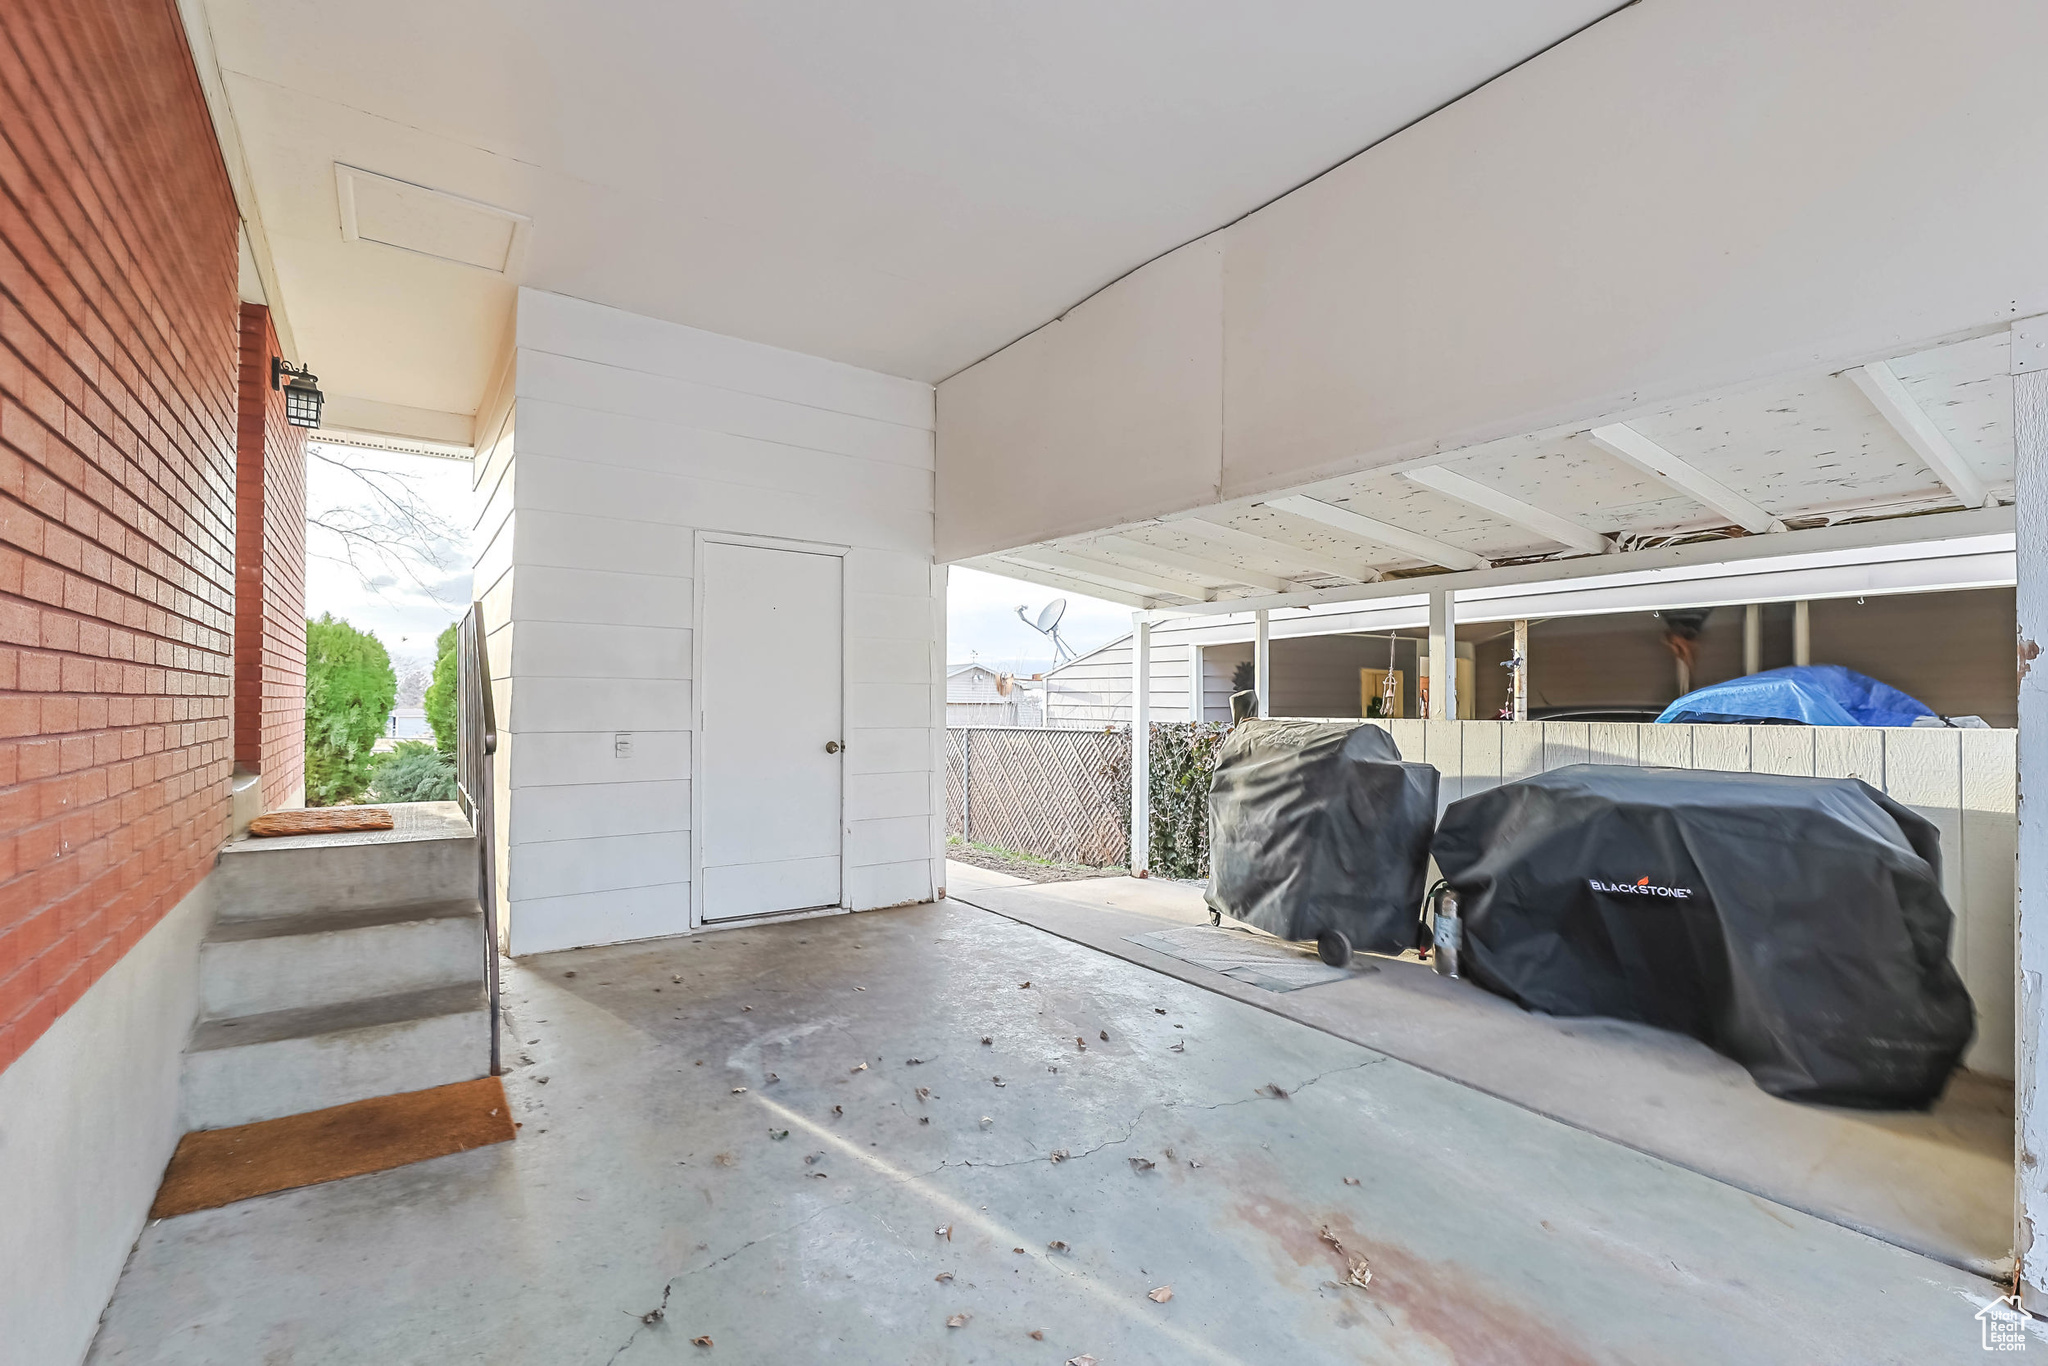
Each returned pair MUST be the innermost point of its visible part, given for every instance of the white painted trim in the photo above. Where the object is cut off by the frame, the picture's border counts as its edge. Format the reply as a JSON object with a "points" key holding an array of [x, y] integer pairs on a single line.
{"points": [[1174, 559], [1630, 446], [1897, 407], [1209, 528], [1262, 660], [2030, 473], [698, 540], [1066, 583], [1067, 560], [1896, 538], [1443, 655], [1141, 746], [1544, 523], [1382, 533]]}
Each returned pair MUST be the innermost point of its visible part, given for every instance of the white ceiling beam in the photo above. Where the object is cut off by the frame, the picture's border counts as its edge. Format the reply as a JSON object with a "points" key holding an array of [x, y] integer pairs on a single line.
{"points": [[1174, 559], [1045, 578], [1898, 407], [1546, 524], [1931, 535], [1315, 561], [1631, 447], [1378, 532], [1116, 576]]}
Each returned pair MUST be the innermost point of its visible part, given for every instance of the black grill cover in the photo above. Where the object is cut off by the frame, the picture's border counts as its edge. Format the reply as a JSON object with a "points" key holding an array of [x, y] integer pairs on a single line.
{"points": [[1795, 924], [1314, 826]]}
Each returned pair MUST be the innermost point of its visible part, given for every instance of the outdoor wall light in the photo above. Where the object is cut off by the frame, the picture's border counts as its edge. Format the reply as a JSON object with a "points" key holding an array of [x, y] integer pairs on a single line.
{"points": [[302, 397]]}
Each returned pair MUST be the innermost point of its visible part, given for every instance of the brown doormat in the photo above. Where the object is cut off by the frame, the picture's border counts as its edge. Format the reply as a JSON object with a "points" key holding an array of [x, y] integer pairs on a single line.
{"points": [[220, 1166], [321, 820]]}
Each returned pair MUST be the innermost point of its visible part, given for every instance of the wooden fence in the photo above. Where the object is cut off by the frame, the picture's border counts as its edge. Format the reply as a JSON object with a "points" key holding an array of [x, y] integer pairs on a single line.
{"points": [[1059, 794]]}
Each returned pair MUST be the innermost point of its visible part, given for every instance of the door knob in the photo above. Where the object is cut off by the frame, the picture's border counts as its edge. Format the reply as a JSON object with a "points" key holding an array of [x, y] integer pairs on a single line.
{"points": [[831, 746]]}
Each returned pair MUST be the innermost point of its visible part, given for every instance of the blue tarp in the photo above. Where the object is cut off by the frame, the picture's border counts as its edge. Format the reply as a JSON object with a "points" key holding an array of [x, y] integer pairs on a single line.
{"points": [[1812, 695]]}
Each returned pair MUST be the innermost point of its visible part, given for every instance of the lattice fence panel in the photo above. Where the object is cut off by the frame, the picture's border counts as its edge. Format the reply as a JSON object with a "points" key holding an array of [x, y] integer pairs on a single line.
{"points": [[1058, 794]]}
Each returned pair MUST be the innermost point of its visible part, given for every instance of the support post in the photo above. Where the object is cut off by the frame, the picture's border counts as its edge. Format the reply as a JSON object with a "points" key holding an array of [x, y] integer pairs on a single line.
{"points": [[1196, 699], [967, 785], [1141, 746], [1443, 655], [1752, 639], [1521, 698], [2030, 907], [1802, 632], [1262, 661]]}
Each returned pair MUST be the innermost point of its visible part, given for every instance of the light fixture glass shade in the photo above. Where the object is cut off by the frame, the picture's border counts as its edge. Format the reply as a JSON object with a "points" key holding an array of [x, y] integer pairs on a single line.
{"points": [[302, 400]]}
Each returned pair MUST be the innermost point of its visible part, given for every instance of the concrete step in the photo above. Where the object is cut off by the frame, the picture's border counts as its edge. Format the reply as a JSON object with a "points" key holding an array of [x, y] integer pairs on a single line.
{"points": [[315, 958], [285, 1062], [430, 854]]}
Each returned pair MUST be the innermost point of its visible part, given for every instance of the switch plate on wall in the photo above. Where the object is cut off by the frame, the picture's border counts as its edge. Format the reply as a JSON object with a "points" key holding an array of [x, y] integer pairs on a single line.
{"points": [[622, 745]]}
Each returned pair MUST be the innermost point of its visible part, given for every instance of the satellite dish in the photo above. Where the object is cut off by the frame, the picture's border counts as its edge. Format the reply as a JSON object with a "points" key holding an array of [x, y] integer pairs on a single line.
{"points": [[1048, 624]]}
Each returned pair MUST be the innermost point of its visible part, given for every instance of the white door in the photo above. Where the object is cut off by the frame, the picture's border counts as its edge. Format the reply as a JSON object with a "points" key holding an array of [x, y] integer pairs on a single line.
{"points": [[769, 709]]}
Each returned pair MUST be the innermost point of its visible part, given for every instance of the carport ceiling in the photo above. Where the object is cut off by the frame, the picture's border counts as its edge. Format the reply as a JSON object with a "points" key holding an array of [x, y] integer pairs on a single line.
{"points": [[905, 185], [1923, 432]]}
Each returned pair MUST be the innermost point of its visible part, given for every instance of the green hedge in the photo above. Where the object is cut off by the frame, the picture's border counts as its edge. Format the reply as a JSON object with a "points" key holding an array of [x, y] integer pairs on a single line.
{"points": [[1183, 757]]}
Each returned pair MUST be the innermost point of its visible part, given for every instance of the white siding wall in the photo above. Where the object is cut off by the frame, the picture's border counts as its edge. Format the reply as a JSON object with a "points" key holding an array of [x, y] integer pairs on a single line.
{"points": [[633, 434]]}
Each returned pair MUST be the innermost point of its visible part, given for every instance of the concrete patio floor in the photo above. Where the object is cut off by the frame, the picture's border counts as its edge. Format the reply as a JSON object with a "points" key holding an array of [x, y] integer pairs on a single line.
{"points": [[729, 1129], [1938, 1183]]}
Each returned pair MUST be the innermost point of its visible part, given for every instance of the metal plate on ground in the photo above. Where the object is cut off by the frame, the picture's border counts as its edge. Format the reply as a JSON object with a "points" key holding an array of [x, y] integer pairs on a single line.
{"points": [[1256, 960]]}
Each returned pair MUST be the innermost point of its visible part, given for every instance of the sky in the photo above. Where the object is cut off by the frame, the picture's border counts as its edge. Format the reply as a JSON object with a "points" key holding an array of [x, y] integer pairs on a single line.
{"points": [[407, 602], [982, 625]]}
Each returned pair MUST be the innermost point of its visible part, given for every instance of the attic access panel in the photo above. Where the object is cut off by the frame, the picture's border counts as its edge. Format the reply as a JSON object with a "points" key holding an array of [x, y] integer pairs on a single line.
{"points": [[415, 218]]}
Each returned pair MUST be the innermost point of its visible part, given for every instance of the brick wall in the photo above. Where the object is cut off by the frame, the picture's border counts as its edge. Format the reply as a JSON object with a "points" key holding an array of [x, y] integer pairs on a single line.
{"points": [[270, 576], [119, 342]]}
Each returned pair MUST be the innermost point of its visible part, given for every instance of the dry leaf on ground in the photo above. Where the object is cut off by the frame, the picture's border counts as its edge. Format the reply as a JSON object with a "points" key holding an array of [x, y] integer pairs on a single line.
{"points": [[1104, 1035], [1269, 1089], [677, 979], [862, 1068], [986, 1120], [860, 988], [770, 1079], [1036, 1335], [999, 1081], [1023, 985], [1142, 1164], [944, 1278], [778, 1134], [723, 1159], [1060, 1155], [924, 1092], [1358, 1269], [912, 1062], [1158, 1010], [943, 1231], [1177, 1047], [1080, 1043], [988, 1039], [702, 1341], [1350, 1180], [1056, 1246], [737, 1090], [1083, 1360], [958, 1321], [1161, 1295]]}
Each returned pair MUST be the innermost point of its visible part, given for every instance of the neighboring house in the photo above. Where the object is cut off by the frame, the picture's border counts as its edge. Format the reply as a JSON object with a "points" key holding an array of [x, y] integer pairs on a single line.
{"points": [[979, 696], [406, 723]]}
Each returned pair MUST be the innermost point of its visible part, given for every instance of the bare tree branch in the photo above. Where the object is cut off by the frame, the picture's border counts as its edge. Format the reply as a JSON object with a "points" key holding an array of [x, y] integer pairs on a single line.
{"points": [[389, 531]]}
